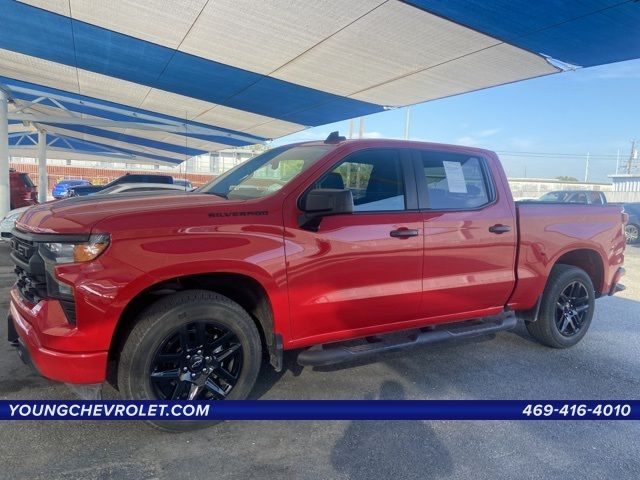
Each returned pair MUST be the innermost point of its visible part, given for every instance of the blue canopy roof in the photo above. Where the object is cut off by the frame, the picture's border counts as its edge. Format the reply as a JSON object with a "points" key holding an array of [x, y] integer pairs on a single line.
{"points": [[176, 79]]}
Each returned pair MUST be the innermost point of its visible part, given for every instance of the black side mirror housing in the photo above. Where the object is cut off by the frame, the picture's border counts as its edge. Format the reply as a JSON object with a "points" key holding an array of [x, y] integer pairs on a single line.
{"points": [[322, 202]]}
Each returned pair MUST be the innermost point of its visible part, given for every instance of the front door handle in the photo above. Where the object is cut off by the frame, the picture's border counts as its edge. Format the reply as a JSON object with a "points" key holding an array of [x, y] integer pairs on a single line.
{"points": [[499, 229], [403, 233]]}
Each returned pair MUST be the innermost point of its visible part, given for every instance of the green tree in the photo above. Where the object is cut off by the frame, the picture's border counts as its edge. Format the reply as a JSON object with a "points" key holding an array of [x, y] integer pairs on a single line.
{"points": [[565, 178]]}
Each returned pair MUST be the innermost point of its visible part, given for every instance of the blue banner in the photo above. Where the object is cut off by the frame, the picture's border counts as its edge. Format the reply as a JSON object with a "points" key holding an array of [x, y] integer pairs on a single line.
{"points": [[321, 410]]}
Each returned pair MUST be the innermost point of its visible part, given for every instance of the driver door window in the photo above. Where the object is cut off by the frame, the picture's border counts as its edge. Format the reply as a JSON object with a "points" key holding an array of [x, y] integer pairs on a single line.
{"points": [[374, 178]]}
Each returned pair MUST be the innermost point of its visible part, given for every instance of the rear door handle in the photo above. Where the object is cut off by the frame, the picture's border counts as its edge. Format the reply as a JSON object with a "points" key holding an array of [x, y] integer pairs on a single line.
{"points": [[403, 233], [499, 229]]}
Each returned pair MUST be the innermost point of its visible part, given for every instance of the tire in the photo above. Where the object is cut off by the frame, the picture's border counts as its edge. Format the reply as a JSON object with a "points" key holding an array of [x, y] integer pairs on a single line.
{"points": [[559, 313], [632, 233], [221, 360]]}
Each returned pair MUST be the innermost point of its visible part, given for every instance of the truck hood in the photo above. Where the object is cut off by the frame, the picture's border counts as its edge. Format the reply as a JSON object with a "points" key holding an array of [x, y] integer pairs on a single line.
{"points": [[80, 214]]}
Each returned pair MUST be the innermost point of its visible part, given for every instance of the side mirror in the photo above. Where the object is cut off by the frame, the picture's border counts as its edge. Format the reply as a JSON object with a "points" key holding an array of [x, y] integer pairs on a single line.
{"points": [[322, 202]]}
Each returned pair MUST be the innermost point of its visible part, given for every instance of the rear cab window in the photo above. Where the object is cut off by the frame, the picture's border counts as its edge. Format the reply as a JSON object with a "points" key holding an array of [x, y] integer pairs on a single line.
{"points": [[454, 181], [26, 180]]}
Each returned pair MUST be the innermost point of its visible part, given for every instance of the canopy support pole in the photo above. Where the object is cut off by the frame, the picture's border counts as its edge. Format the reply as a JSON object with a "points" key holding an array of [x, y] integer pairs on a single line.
{"points": [[43, 184], [5, 190]]}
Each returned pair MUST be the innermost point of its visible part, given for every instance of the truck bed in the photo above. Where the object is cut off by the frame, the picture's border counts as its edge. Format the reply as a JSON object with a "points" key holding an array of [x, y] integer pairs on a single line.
{"points": [[594, 234]]}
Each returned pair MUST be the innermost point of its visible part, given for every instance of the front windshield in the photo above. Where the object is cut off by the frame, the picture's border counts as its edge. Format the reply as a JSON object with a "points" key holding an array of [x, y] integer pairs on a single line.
{"points": [[266, 173], [554, 197], [108, 190]]}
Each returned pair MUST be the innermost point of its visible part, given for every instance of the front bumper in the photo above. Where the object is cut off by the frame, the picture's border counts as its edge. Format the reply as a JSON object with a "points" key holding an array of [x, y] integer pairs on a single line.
{"points": [[75, 368]]}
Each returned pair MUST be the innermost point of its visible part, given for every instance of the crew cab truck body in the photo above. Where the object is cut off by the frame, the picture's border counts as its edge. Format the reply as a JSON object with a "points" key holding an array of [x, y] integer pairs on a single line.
{"points": [[306, 245]]}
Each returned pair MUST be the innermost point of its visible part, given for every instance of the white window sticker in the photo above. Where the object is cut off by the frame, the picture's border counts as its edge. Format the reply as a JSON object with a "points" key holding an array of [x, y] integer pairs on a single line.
{"points": [[455, 177]]}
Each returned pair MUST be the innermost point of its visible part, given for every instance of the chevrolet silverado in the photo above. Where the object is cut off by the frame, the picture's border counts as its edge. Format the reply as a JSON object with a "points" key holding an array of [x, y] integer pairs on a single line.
{"points": [[340, 249]]}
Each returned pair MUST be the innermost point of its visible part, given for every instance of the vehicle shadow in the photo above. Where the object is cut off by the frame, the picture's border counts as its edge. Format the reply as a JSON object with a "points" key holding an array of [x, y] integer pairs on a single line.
{"points": [[268, 377], [388, 449]]}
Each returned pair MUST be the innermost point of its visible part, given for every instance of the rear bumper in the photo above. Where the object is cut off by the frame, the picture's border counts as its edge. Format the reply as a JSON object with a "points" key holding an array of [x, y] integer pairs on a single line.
{"points": [[616, 286], [78, 368]]}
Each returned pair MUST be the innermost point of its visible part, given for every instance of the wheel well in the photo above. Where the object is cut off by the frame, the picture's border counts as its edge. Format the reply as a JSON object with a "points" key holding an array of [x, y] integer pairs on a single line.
{"points": [[243, 290], [589, 261]]}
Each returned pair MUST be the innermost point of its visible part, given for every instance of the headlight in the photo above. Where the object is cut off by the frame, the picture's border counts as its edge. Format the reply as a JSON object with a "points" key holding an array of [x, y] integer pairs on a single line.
{"points": [[55, 253], [60, 252]]}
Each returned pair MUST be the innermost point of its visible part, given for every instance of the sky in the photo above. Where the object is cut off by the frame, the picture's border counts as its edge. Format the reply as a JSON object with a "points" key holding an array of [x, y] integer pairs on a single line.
{"points": [[593, 111]]}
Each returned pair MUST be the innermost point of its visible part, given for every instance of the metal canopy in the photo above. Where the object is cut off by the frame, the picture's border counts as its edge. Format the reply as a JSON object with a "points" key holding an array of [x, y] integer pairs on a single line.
{"points": [[185, 77], [25, 143]]}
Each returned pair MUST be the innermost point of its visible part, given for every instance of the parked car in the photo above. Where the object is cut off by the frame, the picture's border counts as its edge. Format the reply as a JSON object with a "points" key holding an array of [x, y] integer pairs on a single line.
{"points": [[81, 191], [591, 197], [8, 223], [139, 187], [184, 183], [632, 229], [61, 188], [340, 248], [23, 191]]}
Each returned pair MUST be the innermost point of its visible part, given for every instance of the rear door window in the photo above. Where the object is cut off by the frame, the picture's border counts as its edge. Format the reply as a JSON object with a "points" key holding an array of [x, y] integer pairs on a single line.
{"points": [[455, 181]]}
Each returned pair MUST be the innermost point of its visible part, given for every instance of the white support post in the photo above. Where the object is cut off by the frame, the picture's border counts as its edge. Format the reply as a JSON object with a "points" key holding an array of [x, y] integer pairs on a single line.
{"points": [[43, 184], [407, 122], [5, 189]]}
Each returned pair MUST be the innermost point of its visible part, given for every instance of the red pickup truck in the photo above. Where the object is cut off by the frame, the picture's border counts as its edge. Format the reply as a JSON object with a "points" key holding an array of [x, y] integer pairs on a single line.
{"points": [[321, 246], [23, 191]]}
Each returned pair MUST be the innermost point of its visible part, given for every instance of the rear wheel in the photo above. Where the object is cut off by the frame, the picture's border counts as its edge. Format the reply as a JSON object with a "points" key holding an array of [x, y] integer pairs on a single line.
{"points": [[632, 232], [566, 310], [192, 345]]}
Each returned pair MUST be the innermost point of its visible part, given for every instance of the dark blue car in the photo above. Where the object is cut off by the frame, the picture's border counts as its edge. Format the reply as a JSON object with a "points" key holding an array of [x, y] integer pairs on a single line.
{"points": [[60, 190], [632, 230]]}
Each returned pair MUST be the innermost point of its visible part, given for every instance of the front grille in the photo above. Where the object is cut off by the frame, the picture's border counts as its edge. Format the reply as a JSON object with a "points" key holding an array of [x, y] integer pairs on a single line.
{"points": [[33, 282], [32, 287], [23, 249]]}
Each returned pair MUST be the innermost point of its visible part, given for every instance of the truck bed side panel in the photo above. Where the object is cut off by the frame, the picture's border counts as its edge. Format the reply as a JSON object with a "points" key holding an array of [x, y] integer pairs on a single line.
{"points": [[549, 231]]}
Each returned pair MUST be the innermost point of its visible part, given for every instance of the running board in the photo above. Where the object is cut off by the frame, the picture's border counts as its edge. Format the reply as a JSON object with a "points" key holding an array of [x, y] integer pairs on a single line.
{"points": [[331, 353]]}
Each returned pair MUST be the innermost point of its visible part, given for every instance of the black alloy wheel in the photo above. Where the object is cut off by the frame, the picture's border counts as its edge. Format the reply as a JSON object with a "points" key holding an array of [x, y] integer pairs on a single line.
{"points": [[199, 361], [571, 308], [566, 308], [190, 345]]}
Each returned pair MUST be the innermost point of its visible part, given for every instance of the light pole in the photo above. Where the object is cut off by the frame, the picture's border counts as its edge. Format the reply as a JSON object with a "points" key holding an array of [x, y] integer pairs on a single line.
{"points": [[407, 122], [586, 170]]}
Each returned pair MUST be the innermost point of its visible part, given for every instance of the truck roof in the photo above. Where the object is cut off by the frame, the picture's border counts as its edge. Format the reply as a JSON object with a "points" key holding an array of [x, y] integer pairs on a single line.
{"points": [[397, 143]]}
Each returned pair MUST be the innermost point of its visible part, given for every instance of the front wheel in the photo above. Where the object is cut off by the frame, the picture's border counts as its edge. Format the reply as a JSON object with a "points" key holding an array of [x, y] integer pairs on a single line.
{"points": [[567, 307], [192, 345]]}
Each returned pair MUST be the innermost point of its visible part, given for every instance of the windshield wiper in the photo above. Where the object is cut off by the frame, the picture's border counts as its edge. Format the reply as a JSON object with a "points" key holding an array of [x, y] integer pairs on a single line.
{"points": [[221, 195]]}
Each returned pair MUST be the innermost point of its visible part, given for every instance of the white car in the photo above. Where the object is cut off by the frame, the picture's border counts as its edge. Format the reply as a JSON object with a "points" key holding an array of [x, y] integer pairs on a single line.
{"points": [[140, 187], [9, 221]]}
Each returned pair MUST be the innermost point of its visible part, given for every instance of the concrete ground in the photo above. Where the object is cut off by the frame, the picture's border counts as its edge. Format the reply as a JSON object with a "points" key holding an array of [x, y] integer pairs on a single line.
{"points": [[605, 365]]}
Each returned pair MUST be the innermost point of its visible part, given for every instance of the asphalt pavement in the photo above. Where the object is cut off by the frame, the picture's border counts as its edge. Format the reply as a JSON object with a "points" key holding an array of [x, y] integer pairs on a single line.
{"points": [[509, 365]]}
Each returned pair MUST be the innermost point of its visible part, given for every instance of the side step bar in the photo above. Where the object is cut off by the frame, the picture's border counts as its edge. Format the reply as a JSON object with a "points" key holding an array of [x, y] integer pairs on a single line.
{"points": [[333, 353]]}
